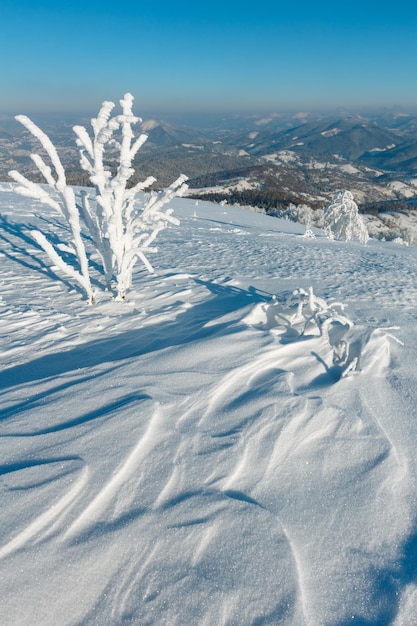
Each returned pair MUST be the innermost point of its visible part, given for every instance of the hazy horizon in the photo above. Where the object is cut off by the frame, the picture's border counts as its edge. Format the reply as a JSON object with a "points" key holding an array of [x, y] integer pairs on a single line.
{"points": [[150, 111]]}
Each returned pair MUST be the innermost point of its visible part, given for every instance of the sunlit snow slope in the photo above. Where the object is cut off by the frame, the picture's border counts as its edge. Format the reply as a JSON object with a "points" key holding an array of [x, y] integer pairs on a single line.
{"points": [[191, 457]]}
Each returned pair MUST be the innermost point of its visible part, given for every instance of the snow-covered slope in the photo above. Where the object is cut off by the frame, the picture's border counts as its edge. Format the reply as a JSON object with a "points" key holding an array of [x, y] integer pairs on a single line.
{"points": [[191, 457]]}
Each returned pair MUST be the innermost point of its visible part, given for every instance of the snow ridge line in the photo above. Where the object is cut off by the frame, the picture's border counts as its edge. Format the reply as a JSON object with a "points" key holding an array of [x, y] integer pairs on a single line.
{"points": [[96, 508], [300, 577], [376, 389], [33, 532]]}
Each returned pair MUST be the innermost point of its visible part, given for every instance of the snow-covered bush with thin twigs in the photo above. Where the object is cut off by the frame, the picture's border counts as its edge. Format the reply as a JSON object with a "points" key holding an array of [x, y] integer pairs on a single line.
{"points": [[342, 219], [300, 314], [306, 314], [122, 222]]}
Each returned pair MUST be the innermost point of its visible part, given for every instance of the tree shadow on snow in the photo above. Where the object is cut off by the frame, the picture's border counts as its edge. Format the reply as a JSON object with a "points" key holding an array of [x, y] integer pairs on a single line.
{"points": [[190, 325], [19, 253], [19, 242]]}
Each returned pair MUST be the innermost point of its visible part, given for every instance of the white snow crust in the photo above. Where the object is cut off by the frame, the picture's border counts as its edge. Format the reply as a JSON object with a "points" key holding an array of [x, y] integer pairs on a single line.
{"points": [[211, 452], [331, 133]]}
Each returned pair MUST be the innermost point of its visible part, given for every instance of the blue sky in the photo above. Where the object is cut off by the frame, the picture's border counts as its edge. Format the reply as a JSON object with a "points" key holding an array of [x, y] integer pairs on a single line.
{"points": [[206, 56]]}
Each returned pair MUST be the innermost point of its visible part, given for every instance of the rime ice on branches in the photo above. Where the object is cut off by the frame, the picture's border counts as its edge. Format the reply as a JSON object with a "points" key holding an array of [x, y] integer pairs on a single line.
{"points": [[64, 202], [122, 222], [123, 226]]}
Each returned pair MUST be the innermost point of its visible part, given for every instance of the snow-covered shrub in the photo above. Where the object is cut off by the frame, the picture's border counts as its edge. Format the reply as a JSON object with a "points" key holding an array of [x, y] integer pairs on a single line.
{"points": [[305, 313], [301, 313], [309, 234], [122, 222], [342, 220]]}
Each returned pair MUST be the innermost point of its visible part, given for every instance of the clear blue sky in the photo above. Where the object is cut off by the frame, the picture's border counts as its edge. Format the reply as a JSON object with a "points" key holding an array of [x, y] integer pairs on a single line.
{"points": [[215, 55]]}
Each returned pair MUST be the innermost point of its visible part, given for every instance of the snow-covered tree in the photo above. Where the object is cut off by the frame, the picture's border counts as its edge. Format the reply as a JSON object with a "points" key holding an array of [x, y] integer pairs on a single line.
{"points": [[342, 219], [122, 222]]}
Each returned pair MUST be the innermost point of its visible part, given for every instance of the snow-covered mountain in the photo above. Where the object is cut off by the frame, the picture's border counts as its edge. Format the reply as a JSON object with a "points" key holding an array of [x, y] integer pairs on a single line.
{"points": [[230, 446], [163, 134], [277, 156], [348, 137]]}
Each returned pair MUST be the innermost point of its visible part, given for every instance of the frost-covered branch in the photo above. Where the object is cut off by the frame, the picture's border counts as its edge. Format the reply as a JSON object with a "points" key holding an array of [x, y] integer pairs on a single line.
{"points": [[58, 260], [66, 204]]}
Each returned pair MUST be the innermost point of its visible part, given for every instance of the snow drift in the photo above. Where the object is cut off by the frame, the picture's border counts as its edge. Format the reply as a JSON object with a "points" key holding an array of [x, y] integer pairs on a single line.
{"points": [[231, 446]]}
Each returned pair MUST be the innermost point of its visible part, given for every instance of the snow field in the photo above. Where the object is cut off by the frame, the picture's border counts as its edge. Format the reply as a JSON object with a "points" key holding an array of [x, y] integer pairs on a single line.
{"points": [[186, 457]]}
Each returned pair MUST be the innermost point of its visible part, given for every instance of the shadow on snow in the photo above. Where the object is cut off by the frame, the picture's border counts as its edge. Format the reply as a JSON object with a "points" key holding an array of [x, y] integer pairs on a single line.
{"points": [[188, 326], [19, 240]]}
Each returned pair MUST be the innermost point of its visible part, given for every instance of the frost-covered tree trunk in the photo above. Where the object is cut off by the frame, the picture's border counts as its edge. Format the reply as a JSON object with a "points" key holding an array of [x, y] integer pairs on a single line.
{"points": [[123, 225], [342, 219]]}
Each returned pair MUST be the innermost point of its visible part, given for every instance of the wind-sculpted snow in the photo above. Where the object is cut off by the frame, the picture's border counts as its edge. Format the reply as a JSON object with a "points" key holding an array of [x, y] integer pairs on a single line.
{"points": [[235, 446]]}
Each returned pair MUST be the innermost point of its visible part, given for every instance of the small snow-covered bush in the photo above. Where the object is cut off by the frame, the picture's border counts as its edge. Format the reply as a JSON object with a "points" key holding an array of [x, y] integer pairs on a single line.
{"points": [[342, 220], [305, 313], [300, 314], [122, 222], [309, 234], [343, 347], [122, 227]]}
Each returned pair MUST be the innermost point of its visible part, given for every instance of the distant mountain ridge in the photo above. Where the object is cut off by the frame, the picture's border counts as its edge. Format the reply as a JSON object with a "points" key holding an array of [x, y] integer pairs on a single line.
{"points": [[299, 157], [349, 138], [401, 158], [163, 134]]}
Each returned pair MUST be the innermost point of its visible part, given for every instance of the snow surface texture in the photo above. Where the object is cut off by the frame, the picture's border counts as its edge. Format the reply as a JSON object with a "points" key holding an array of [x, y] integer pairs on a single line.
{"points": [[229, 447]]}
